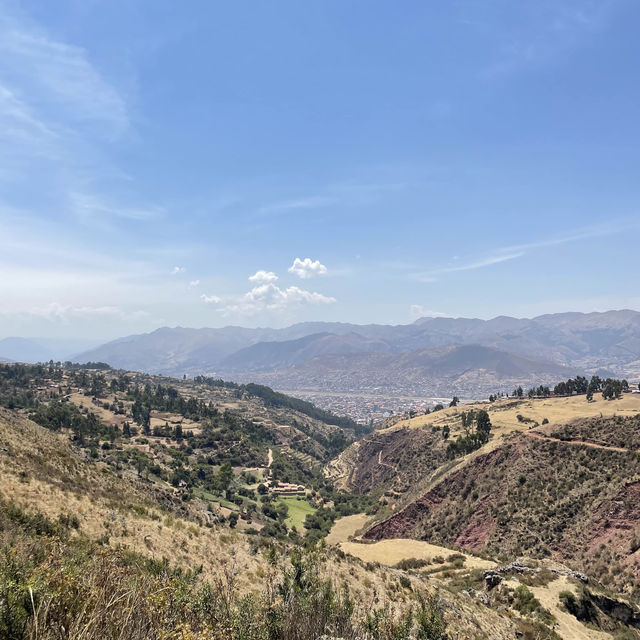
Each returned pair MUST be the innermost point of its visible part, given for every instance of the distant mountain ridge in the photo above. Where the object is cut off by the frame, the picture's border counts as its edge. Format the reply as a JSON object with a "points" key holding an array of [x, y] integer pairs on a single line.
{"points": [[589, 341], [18, 349], [267, 356], [463, 370]]}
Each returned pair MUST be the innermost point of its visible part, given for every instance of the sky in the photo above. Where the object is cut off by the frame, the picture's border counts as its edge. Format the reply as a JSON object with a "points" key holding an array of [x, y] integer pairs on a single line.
{"points": [[263, 163]]}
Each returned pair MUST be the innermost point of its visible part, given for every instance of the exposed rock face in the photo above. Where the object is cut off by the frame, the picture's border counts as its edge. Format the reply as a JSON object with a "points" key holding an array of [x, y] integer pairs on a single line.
{"points": [[406, 523], [492, 579], [618, 610]]}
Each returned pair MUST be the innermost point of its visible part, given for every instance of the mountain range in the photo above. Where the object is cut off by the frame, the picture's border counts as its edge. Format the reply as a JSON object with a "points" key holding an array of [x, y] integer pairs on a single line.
{"points": [[41, 349], [425, 356]]}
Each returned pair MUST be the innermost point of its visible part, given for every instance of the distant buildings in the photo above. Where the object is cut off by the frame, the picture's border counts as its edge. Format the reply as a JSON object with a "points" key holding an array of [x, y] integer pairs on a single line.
{"points": [[287, 489]]}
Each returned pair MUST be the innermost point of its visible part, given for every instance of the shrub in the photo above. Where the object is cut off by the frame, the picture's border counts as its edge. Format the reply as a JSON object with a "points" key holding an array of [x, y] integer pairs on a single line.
{"points": [[412, 563]]}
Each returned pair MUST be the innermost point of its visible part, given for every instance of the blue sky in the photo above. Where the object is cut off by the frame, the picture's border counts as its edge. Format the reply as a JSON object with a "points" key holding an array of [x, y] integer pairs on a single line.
{"points": [[211, 163]]}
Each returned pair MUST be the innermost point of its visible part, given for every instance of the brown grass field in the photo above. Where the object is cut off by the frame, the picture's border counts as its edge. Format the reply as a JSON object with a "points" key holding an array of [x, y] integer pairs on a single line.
{"points": [[390, 552], [503, 413]]}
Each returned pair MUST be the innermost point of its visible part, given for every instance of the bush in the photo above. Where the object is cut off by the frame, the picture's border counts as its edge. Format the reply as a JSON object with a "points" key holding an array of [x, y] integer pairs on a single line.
{"points": [[527, 604], [80, 589], [412, 563], [405, 583]]}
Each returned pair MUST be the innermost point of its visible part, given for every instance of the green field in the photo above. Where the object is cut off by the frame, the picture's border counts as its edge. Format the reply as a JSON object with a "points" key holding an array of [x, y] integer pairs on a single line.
{"points": [[205, 495], [298, 511]]}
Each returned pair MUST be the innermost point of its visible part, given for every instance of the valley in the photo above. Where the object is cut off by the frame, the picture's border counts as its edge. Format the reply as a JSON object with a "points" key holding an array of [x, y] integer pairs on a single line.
{"points": [[319, 320], [220, 476]]}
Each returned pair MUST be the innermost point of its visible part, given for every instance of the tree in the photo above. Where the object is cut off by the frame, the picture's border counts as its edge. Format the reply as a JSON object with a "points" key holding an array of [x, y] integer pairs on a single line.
{"points": [[282, 511], [483, 423], [262, 489], [233, 519], [454, 402], [613, 388], [146, 421], [467, 418], [224, 476], [446, 431]]}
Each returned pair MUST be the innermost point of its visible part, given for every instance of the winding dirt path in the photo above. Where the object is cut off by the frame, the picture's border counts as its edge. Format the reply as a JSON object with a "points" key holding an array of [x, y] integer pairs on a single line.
{"points": [[582, 443], [386, 464]]}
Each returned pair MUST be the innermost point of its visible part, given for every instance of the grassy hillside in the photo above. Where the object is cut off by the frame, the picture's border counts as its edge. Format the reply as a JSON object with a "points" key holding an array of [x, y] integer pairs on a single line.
{"points": [[133, 508], [558, 478], [404, 455], [93, 552]]}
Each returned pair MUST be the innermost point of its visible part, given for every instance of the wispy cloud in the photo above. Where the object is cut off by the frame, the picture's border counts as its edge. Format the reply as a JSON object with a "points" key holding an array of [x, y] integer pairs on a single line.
{"points": [[67, 312], [88, 206], [343, 194], [612, 227], [553, 28], [60, 74], [288, 206], [433, 275], [59, 118], [505, 254]]}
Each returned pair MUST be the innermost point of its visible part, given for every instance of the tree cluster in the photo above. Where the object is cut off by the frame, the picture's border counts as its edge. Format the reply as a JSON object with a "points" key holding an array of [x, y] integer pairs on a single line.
{"points": [[471, 441]]}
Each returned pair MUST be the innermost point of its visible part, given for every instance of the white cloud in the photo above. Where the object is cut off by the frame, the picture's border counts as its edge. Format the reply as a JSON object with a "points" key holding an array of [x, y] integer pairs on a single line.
{"points": [[193, 284], [178, 271], [210, 299], [307, 268], [418, 311], [269, 297], [263, 277]]}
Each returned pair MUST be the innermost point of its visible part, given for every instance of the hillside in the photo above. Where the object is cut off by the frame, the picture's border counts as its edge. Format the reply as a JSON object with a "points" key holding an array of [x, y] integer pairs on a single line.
{"points": [[559, 481], [157, 501], [94, 551], [98, 550]]}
